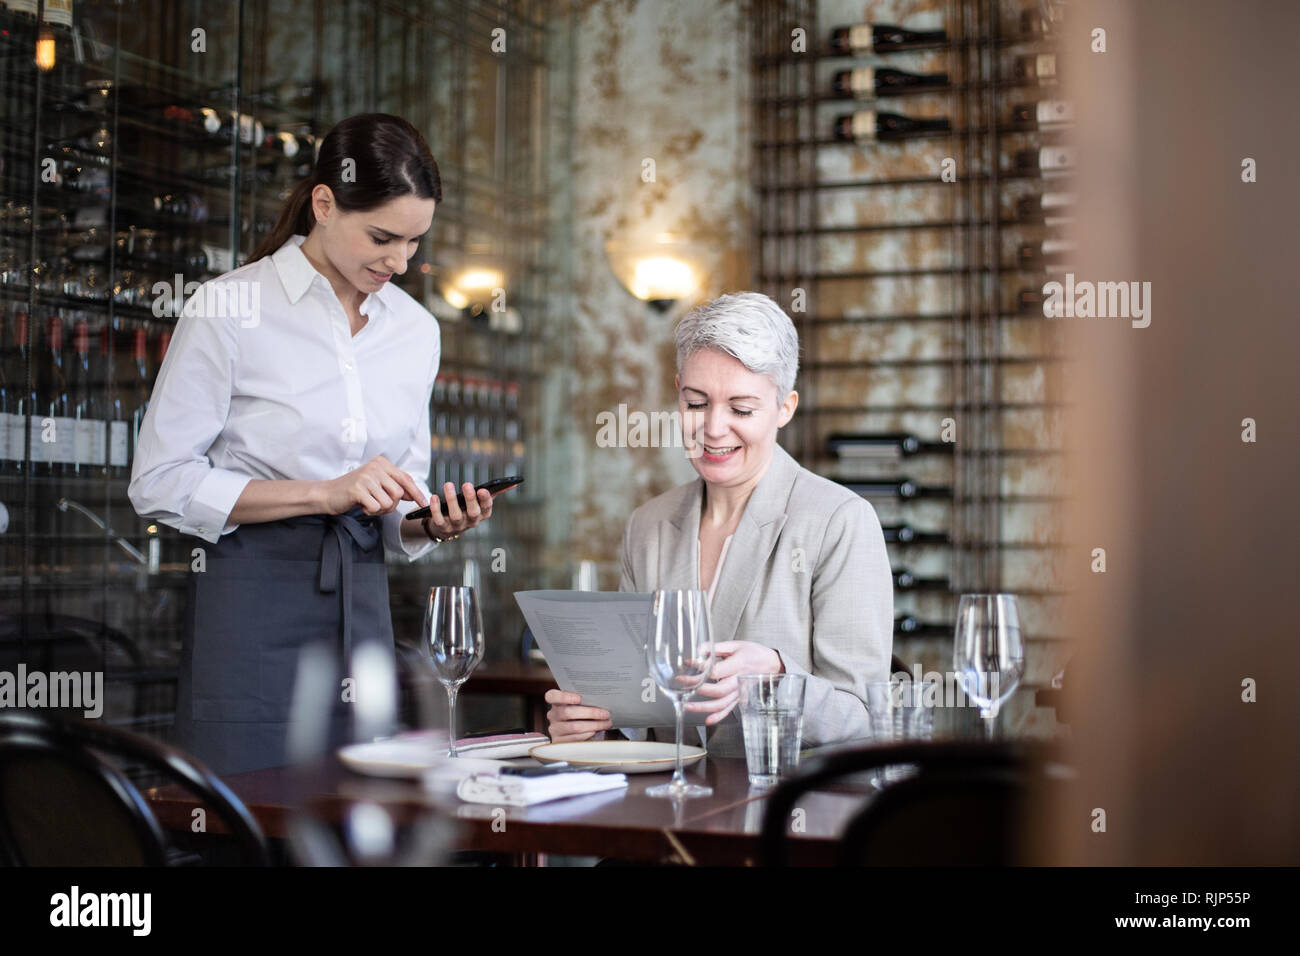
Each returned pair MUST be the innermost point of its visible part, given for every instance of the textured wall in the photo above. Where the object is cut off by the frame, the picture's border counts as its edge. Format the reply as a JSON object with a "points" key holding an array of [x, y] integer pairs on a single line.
{"points": [[662, 80]]}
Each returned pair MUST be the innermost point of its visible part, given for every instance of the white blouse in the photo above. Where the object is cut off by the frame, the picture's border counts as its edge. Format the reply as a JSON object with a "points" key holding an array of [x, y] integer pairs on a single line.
{"points": [[267, 381]]}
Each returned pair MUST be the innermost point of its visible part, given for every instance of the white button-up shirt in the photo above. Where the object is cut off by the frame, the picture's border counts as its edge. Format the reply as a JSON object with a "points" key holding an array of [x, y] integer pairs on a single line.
{"points": [[264, 379]]}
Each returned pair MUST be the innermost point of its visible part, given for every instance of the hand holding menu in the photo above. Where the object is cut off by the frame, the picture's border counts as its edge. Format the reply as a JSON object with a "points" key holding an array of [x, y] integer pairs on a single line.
{"points": [[594, 642]]}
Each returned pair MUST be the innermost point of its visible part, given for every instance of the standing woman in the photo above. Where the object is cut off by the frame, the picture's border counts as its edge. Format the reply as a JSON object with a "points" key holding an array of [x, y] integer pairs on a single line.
{"points": [[289, 430]]}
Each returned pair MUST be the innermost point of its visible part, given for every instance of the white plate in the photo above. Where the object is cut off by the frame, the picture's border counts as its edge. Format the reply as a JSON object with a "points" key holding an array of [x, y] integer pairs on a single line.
{"points": [[629, 756], [394, 758]]}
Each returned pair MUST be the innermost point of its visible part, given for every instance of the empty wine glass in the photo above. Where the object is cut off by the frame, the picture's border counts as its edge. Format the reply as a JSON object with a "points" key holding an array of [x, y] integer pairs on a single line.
{"points": [[679, 652], [453, 634], [988, 655]]}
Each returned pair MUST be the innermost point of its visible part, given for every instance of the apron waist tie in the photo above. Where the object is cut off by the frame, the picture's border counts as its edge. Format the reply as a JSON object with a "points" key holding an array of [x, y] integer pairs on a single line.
{"points": [[336, 567]]}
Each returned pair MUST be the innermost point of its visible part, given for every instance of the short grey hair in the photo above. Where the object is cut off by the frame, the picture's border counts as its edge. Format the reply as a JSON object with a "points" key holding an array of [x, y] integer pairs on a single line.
{"points": [[751, 328]]}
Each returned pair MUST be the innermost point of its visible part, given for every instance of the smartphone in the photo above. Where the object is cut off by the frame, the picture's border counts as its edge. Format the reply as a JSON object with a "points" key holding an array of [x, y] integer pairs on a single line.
{"points": [[493, 487]]}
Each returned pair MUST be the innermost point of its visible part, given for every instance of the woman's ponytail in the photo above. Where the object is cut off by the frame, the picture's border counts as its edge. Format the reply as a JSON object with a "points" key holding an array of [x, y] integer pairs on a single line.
{"points": [[296, 219]]}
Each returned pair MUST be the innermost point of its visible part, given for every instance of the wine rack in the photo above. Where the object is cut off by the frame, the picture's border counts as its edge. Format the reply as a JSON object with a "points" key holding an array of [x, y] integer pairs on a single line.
{"points": [[897, 180], [138, 165]]}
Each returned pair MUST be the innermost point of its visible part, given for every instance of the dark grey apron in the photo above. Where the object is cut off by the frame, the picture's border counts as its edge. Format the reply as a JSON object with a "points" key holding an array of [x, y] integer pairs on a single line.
{"points": [[268, 590]]}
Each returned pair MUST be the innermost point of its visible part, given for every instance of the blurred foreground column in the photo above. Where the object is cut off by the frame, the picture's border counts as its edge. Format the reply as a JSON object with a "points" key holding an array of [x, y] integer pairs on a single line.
{"points": [[1200, 597]]}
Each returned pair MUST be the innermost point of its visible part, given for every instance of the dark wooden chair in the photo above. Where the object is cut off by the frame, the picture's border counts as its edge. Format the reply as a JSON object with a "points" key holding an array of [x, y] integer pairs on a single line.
{"points": [[967, 804], [64, 801]]}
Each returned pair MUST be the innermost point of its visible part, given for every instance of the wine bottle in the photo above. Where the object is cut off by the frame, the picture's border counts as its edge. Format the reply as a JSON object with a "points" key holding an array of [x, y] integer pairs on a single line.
{"points": [[864, 38], [88, 434], [117, 453], [881, 446], [27, 405], [140, 378], [908, 625], [906, 534], [1040, 67], [201, 119], [1051, 209], [1030, 300], [1046, 160], [1039, 22], [10, 422], [905, 580], [865, 82], [883, 487], [1045, 114], [60, 437], [867, 126], [1034, 255]]}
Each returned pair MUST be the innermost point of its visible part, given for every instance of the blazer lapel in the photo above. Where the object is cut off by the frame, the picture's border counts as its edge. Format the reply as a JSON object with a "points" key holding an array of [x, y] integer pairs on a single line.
{"points": [[752, 545], [678, 542]]}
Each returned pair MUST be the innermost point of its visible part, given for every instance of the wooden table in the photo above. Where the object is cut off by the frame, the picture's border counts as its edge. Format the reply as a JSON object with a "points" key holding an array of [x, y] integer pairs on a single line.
{"points": [[625, 824]]}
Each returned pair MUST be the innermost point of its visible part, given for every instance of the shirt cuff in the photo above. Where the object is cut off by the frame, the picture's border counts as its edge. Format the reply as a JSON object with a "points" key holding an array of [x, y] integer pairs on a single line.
{"points": [[209, 511], [393, 539]]}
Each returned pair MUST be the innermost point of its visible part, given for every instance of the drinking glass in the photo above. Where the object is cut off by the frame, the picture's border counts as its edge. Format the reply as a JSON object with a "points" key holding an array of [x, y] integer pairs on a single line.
{"points": [[453, 634], [771, 715], [900, 710], [988, 655], [679, 652]]}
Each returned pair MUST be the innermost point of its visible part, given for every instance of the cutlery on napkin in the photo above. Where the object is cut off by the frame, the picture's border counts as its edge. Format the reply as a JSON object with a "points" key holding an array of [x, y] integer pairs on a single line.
{"points": [[524, 791]]}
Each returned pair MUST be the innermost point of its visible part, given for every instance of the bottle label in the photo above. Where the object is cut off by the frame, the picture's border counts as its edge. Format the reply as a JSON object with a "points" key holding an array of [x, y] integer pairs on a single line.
{"points": [[860, 38], [1055, 157], [1057, 200], [864, 124], [58, 12], [83, 441], [1045, 66], [11, 437], [1054, 112], [42, 452], [117, 443], [862, 80], [98, 440], [65, 439], [1056, 247]]}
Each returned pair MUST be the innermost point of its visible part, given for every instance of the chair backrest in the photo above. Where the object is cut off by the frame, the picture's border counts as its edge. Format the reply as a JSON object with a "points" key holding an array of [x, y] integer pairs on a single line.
{"points": [[66, 807], [63, 802], [967, 818], [961, 806]]}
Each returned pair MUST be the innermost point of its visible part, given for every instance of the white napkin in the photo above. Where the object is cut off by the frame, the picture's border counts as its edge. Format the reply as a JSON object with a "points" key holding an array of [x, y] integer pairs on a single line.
{"points": [[514, 791]]}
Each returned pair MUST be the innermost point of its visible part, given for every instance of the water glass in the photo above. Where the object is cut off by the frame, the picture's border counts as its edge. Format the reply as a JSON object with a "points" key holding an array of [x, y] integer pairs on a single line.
{"points": [[771, 713], [900, 711]]}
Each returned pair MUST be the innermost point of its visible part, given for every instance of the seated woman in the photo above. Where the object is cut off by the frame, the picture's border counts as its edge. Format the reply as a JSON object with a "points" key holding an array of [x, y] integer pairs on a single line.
{"points": [[794, 564]]}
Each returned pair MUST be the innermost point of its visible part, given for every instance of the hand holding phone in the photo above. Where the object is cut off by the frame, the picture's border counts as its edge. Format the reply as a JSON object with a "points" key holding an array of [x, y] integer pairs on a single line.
{"points": [[493, 487]]}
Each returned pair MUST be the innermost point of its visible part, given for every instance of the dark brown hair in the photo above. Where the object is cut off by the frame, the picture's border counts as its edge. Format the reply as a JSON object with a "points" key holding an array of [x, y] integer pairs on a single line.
{"points": [[388, 158]]}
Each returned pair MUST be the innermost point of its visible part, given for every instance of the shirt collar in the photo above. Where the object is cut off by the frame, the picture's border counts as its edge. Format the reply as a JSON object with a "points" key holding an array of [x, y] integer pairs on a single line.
{"points": [[297, 274]]}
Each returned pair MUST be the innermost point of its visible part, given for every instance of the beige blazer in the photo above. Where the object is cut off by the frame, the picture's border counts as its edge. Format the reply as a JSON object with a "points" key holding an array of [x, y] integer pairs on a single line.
{"points": [[806, 574]]}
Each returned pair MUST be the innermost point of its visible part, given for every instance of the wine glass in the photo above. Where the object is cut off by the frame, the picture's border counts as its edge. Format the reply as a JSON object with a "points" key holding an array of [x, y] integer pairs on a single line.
{"points": [[988, 655], [679, 652], [453, 634]]}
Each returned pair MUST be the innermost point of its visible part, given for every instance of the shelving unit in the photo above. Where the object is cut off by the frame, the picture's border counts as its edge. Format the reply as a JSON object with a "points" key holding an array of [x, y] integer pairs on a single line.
{"points": [[910, 313], [145, 192]]}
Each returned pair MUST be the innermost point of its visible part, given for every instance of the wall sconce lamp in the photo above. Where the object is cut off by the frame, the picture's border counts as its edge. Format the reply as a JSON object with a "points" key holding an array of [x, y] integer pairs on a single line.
{"points": [[660, 272]]}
